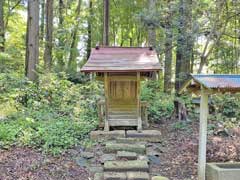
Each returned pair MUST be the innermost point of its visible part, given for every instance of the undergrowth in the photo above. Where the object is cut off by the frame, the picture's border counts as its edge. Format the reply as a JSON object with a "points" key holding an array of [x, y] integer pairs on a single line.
{"points": [[53, 115], [160, 105], [57, 114]]}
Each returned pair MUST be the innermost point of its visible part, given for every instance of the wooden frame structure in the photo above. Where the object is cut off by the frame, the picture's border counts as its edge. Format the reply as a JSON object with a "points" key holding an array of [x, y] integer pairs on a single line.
{"points": [[122, 70], [206, 85]]}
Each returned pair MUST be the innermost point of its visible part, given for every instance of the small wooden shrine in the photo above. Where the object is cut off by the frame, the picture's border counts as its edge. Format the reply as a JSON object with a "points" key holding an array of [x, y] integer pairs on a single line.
{"points": [[121, 69]]}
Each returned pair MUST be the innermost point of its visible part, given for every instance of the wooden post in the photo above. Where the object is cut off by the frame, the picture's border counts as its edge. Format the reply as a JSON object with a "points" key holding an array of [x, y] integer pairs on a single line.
{"points": [[139, 127], [203, 135], [106, 125]]}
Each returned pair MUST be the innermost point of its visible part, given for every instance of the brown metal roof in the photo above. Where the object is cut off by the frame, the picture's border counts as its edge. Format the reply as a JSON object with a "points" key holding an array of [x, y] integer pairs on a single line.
{"points": [[217, 82], [122, 59]]}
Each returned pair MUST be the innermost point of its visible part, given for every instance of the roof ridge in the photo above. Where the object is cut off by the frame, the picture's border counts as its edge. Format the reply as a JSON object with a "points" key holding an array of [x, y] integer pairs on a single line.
{"points": [[148, 47], [216, 75]]}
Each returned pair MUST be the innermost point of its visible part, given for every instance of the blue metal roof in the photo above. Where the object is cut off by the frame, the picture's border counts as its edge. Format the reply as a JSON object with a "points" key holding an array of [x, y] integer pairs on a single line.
{"points": [[218, 81]]}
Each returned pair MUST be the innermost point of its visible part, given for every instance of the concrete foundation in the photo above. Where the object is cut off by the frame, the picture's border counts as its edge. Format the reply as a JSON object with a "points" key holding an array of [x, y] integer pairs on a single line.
{"points": [[223, 171]]}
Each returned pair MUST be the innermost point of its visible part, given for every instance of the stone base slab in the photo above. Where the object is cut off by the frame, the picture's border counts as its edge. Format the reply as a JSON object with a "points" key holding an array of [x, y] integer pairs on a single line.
{"points": [[146, 135], [115, 176], [126, 176], [159, 178], [107, 135], [114, 147], [123, 166], [126, 155], [129, 136]]}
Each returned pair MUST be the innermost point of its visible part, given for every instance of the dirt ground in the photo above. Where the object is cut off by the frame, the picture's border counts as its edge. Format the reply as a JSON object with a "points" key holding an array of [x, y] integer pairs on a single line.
{"points": [[28, 164], [180, 150], [178, 157]]}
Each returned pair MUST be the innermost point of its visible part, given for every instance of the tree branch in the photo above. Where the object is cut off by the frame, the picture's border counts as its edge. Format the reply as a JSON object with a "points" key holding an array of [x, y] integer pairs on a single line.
{"points": [[10, 11]]}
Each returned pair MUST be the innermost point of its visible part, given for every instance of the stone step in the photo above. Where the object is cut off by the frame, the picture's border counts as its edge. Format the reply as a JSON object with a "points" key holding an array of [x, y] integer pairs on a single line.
{"points": [[106, 135], [127, 155], [130, 140], [146, 135], [126, 176], [121, 166], [138, 176], [98, 176], [159, 178], [112, 147], [107, 157], [115, 176]]}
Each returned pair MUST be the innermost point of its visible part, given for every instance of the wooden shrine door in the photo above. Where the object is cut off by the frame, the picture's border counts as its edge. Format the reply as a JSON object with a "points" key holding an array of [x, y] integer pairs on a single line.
{"points": [[122, 102]]}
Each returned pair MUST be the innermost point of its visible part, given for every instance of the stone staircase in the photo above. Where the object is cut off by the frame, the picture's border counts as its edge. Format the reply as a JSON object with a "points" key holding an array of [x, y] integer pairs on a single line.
{"points": [[129, 150], [130, 164]]}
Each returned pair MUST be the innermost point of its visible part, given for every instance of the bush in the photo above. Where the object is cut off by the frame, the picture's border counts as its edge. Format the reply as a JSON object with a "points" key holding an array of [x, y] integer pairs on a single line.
{"points": [[226, 110], [53, 115], [161, 105], [228, 105], [52, 136]]}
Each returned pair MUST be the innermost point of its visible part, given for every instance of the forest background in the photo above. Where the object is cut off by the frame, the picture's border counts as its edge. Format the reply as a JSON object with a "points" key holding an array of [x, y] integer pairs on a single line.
{"points": [[48, 104]]}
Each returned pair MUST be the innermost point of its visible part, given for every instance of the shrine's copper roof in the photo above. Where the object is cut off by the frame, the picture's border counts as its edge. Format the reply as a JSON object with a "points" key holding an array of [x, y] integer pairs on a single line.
{"points": [[122, 59], [217, 82]]}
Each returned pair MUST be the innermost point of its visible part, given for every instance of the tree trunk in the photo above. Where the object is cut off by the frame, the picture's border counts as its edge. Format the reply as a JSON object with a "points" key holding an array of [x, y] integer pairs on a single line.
{"points": [[183, 55], [203, 60], [2, 30], [184, 43], [60, 52], [72, 62], [49, 34], [89, 41], [190, 40], [42, 19], [151, 27], [180, 45], [32, 40], [168, 55], [61, 7], [106, 23]]}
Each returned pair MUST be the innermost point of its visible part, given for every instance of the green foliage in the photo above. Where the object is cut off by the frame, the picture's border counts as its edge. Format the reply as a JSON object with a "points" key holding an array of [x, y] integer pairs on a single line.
{"points": [[227, 109], [187, 100], [180, 125], [161, 105], [53, 115], [52, 136], [8, 63]]}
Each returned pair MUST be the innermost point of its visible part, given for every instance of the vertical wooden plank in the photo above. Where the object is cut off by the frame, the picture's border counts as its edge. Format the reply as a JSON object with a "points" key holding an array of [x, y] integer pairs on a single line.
{"points": [[106, 84], [203, 135], [139, 128]]}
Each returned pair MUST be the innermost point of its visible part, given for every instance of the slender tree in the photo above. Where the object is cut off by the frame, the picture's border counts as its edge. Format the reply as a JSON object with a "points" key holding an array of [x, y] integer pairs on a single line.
{"points": [[216, 32], [183, 54], [106, 23], [32, 40], [89, 40], [60, 46], [49, 35], [42, 19], [72, 62], [168, 49], [2, 30], [151, 26], [61, 8]]}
